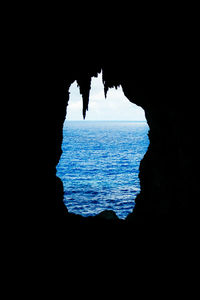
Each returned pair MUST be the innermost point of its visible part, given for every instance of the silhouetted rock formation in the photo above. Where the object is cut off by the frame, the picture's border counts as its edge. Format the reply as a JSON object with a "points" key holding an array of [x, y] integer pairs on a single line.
{"points": [[159, 82]]}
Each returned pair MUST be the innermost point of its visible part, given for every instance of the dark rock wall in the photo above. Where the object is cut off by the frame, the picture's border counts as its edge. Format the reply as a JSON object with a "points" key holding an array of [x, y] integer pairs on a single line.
{"points": [[159, 73], [167, 178]]}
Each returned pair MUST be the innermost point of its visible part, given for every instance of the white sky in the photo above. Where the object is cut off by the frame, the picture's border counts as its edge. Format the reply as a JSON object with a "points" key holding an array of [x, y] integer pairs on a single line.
{"points": [[115, 107]]}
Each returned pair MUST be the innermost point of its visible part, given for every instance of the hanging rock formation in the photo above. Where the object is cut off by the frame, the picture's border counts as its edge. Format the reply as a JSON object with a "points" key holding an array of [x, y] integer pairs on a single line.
{"points": [[159, 81]]}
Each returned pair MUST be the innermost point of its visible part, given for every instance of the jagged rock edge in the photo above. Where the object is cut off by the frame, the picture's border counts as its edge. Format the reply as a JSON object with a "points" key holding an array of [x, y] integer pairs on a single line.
{"points": [[84, 84]]}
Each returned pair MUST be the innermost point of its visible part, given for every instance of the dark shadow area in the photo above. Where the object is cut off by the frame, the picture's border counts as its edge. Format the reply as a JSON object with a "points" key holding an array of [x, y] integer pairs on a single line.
{"points": [[159, 82], [167, 180], [157, 69]]}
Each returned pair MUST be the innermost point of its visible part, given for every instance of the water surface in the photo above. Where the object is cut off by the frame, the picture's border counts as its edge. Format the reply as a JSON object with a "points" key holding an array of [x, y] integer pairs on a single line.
{"points": [[100, 164]]}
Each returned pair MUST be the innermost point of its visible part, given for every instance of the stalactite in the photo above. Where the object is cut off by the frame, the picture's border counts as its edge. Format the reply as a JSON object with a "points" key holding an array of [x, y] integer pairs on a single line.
{"points": [[84, 86], [109, 83]]}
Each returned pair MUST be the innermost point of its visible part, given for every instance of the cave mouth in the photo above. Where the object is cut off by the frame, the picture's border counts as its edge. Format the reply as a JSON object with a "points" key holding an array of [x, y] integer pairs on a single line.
{"points": [[101, 155]]}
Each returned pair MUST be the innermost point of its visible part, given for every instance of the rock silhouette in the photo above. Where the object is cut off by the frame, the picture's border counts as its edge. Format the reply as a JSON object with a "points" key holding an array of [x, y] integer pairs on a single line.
{"points": [[160, 83]]}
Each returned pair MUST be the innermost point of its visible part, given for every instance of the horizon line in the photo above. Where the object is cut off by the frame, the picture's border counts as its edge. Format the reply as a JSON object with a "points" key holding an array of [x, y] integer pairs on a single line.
{"points": [[105, 121]]}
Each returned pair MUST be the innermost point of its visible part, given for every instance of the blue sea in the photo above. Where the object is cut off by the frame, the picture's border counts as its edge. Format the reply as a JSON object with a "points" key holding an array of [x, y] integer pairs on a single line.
{"points": [[100, 164]]}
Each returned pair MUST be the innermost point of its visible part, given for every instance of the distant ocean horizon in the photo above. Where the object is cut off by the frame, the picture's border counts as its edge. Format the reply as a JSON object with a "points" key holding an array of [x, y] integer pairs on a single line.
{"points": [[99, 165], [129, 121]]}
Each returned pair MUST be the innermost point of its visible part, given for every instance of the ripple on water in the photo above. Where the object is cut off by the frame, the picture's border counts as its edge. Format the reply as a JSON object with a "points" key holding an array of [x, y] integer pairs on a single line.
{"points": [[100, 164]]}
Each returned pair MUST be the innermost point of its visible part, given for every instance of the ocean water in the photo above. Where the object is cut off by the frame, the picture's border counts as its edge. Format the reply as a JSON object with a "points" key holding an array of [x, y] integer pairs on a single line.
{"points": [[100, 164]]}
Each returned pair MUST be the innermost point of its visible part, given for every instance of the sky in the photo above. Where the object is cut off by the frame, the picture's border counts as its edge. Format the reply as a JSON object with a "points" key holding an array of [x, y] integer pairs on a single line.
{"points": [[115, 107]]}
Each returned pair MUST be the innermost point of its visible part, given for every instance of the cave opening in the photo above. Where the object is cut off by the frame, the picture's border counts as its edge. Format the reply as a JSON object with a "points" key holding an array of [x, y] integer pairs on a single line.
{"points": [[101, 154]]}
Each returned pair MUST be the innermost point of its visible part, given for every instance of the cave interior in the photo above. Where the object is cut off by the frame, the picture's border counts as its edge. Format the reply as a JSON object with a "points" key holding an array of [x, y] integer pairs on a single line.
{"points": [[157, 79], [167, 178]]}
